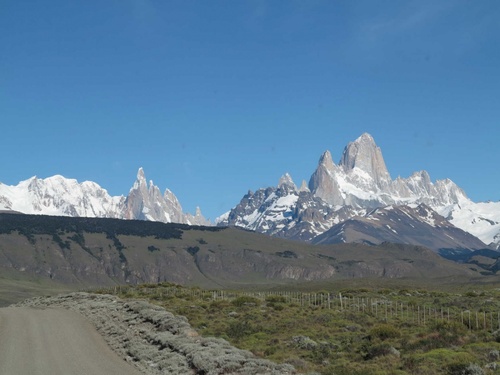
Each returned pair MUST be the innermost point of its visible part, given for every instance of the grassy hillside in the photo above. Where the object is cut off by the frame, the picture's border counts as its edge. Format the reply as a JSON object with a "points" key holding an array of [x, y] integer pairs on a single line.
{"points": [[15, 286]]}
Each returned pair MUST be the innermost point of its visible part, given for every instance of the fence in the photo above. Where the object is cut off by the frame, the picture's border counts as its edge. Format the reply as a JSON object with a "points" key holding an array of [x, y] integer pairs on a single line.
{"points": [[383, 308]]}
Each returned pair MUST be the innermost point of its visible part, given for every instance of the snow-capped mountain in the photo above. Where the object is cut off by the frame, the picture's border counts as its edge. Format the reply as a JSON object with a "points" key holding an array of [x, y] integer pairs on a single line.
{"points": [[480, 219], [58, 195], [285, 211], [352, 188], [361, 179]]}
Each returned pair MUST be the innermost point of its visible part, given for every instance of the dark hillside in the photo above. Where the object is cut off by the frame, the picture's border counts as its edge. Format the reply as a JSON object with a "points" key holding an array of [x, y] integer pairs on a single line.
{"points": [[81, 252], [30, 225]]}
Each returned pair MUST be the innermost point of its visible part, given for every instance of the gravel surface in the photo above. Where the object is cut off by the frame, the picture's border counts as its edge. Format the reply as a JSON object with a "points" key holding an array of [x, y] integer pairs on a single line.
{"points": [[156, 341], [54, 342]]}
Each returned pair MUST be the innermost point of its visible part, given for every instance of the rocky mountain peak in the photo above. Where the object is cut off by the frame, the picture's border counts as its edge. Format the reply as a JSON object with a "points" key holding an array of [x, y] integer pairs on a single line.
{"points": [[140, 174], [304, 187], [286, 180], [62, 196], [32, 183], [365, 155], [326, 161], [359, 184], [197, 218], [323, 183]]}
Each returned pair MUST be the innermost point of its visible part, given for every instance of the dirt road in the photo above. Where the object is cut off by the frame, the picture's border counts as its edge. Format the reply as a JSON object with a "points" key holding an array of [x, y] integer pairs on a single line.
{"points": [[55, 342]]}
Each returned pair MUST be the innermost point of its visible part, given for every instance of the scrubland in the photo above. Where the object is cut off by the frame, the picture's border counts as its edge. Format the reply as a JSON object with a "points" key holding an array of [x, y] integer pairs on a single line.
{"points": [[373, 331]]}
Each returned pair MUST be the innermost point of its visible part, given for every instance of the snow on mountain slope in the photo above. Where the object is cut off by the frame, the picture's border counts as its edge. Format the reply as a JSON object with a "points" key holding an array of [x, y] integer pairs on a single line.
{"points": [[412, 224], [361, 180], [358, 184], [480, 219], [58, 195], [285, 211]]}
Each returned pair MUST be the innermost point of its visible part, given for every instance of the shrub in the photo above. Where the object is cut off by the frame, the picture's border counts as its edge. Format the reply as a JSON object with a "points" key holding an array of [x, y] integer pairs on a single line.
{"points": [[276, 302], [384, 332], [465, 369], [304, 342], [239, 329], [383, 349], [192, 250], [447, 358], [494, 355], [275, 299], [245, 300]]}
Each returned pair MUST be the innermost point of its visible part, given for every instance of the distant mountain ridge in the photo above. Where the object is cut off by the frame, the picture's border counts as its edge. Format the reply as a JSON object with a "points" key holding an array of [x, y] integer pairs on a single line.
{"points": [[335, 194], [415, 224], [352, 189], [61, 196], [103, 251]]}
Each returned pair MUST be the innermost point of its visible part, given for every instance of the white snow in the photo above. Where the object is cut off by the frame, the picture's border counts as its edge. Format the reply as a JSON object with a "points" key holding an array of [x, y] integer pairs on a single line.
{"points": [[480, 219], [389, 227], [61, 196], [222, 218]]}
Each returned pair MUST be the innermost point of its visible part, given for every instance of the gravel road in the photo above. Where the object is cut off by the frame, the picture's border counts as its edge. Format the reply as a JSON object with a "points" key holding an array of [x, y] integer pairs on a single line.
{"points": [[57, 335], [55, 342]]}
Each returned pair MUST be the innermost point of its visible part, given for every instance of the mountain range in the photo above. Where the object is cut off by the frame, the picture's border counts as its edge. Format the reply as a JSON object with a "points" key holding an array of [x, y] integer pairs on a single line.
{"points": [[351, 190], [355, 200], [61, 196]]}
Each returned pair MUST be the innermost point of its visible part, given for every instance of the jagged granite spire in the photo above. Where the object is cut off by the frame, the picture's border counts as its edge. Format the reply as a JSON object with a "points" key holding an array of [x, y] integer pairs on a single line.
{"points": [[147, 203], [323, 183], [365, 155]]}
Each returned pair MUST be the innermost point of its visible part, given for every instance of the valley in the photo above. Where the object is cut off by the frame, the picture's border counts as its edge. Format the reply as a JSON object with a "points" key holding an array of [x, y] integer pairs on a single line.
{"points": [[291, 306], [80, 253], [351, 273]]}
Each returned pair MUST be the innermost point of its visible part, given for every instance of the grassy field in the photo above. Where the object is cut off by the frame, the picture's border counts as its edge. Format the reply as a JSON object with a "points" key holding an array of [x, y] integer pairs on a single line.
{"points": [[385, 330], [14, 288]]}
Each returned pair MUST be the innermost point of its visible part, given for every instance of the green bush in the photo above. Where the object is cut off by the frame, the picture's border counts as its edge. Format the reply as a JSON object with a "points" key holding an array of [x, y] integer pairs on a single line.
{"points": [[465, 369], [275, 299], [384, 332], [239, 329], [372, 351], [245, 300]]}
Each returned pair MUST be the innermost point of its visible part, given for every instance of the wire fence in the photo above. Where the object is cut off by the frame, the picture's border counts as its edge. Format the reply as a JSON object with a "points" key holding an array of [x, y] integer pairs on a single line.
{"points": [[385, 309]]}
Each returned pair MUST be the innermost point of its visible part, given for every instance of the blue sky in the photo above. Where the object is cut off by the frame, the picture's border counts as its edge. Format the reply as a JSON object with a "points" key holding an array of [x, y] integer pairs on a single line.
{"points": [[215, 98]]}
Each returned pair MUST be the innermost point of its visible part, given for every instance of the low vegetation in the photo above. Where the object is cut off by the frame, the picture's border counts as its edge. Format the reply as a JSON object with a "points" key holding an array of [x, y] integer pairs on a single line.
{"points": [[31, 225], [383, 331]]}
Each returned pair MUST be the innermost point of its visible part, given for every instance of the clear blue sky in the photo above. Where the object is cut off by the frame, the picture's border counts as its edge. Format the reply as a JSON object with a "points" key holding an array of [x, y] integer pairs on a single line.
{"points": [[214, 98]]}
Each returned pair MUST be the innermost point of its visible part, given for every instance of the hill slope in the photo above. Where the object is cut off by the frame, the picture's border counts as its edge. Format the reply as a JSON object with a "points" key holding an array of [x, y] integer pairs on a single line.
{"points": [[80, 252]]}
